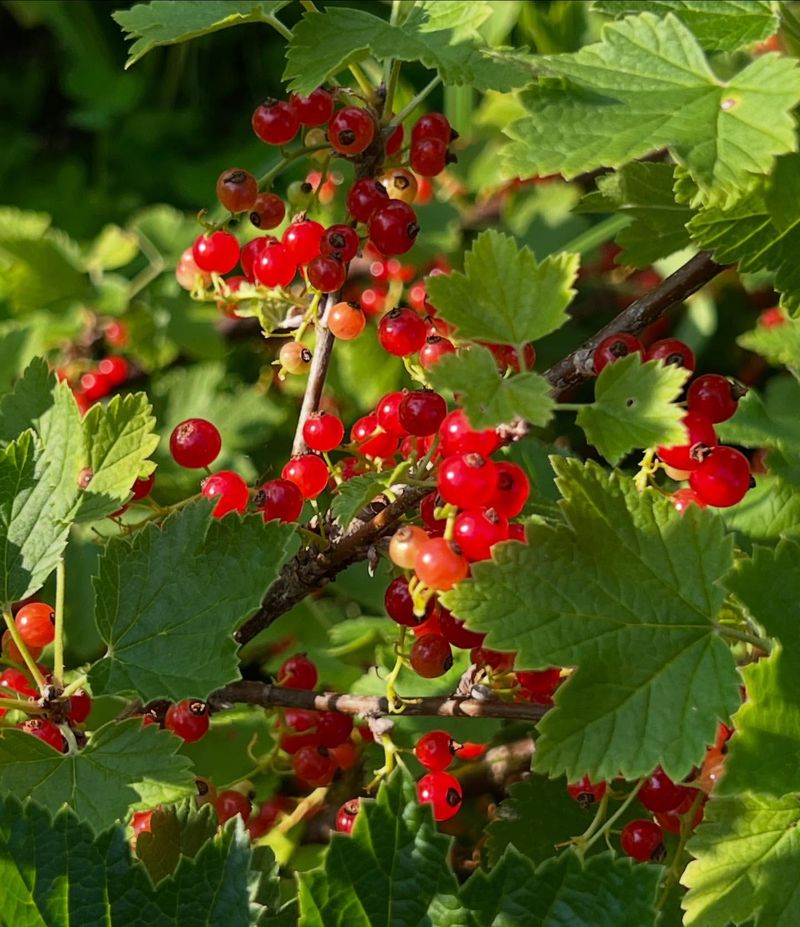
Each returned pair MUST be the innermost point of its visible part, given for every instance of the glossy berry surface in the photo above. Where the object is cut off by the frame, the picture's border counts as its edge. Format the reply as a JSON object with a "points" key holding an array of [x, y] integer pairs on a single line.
{"points": [[387, 413], [294, 357], [314, 766], [230, 491], [443, 792], [275, 122], [339, 241], [430, 656], [236, 189], [613, 348], [80, 706], [346, 815], [393, 228], [467, 480], [229, 803], [399, 604], [140, 822], [308, 472], [45, 731], [435, 750], [459, 437], [722, 479], [11, 651], [195, 443], [216, 253], [714, 397], [364, 197], [36, 624], [188, 720], [421, 412], [298, 672], [267, 212], [440, 564], [143, 486], [512, 490], [301, 241], [18, 682], [428, 157], [671, 351], [333, 728], [351, 130], [400, 184], [701, 437], [250, 253], [454, 631], [432, 125], [539, 685], [323, 432], [476, 531], [434, 349], [346, 320], [326, 274], [401, 332], [659, 793], [405, 544], [643, 841], [586, 793], [312, 110]]}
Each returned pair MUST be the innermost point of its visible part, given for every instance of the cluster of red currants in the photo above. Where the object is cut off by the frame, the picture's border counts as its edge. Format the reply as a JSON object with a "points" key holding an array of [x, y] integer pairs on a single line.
{"points": [[90, 384], [718, 475]]}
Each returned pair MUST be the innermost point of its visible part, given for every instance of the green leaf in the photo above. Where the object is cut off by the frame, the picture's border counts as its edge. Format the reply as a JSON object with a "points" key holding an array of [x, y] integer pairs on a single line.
{"points": [[765, 752], [119, 438], [389, 870], [175, 831], [759, 424], [779, 344], [770, 510], [647, 85], [722, 25], [125, 764], [747, 863], [173, 640], [760, 233], [31, 398], [113, 248], [354, 494], [167, 22], [464, 19], [634, 406], [643, 191], [504, 295], [599, 892], [626, 591], [57, 873], [324, 43], [486, 397]]}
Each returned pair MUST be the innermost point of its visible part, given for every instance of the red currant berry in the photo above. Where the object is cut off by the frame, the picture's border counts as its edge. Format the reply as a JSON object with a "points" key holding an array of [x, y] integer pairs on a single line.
{"points": [[363, 428], [401, 332], [339, 241], [467, 480], [236, 189], [453, 630], [11, 651], [513, 489], [275, 122], [323, 432], [314, 766], [346, 815], [302, 241], [351, 130], [435, 750], [470, 751], [18, 682], [115, 368], [586, 793], [427, 507], [346, 320], [671, 351], [387, 413], [308, 472], [36, 624], [434, 349], [326, 274], [140, 822], [430, 656], [80, 706], [143, 486], [116, 334], [440, 564], [459, 437], [421, 412], [267, 815], [432, 125], [187, 719], [250, 254], [395, 141], [660, 793], [701, 437], [404, 546], [476, 531], [333, 728], [443, 792], [428, 157], [613, 348], [267, 212], [298, 672], [722, 479], [294, 357], [195, 443], [643, 841], [364, 197], [188, 274], [400, 184], [393, 228], [400, 606], [95, 386], [315, 109], [539, 685], [216, 253], [229, 803], [497, 661], [714, 397], [45, 731], [507, 357], [516, 532], [229, 489]]}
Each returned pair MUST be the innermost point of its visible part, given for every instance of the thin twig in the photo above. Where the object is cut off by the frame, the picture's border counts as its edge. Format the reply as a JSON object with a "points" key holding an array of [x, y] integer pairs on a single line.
{"points": [[317, 373]]}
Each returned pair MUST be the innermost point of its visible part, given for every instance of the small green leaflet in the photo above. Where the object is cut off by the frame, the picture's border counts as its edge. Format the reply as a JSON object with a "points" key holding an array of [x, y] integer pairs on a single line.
{"points": [[643, 191], [324, 43], [352, 495], [125, 764], [462, 18], [167, 22], [626, 591], [387, 873], [765, 424], [779, 344], [747, 863], [770, 510], [760, 232], [175, 831], [504, 296], [764, 755], [718, 25], [174, 640], [634, 406], [647, 85], [599, 892], [58, 873], [486, 397]]}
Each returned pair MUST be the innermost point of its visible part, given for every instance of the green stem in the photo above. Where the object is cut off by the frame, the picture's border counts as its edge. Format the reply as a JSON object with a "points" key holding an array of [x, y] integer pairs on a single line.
{"points": [[413, 104], [73, 687], [745, 636], [33, 669], [391, 79], [278, 26], [16, 704], [614, 817], [58, 644], [598, 234], [364, 83]]}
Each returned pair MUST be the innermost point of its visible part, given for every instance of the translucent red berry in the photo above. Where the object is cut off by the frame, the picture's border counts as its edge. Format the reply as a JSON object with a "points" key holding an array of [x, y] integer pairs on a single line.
{"points": [[346, 815], [430, 656], [421, 412], [434, 349], [229, 489], [229, 803], [459, 437], [401, 332], [351, 130], [216, 253], [387, 413], [195, 443], [714, 397], [314, 766], [539, 685], [443, 792], [323, 431], [643, 841], [364, 197], [339, 241], [428, 157], [512, 490], [308, 472], [453, 630], [140, 822], [476, 531], [722, 479], [659, 793], [432, 125], [302, 241], [45, 731], [440, 564], [80, 706], [267, 212], [701, 437], [467, 480], [143, 486], [613, 348], [187, 719], [393, 228], [251, 252], [586, 793], [400, 605], [326, 274], [237, 189], [333, 728], [435, 750], [275, 122], [36, 624], [312, 110], [671, 351], [298, 672]]}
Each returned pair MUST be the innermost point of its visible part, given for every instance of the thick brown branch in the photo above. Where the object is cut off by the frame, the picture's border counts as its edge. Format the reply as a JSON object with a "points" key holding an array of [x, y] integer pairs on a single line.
{"points": [[249, 692]]}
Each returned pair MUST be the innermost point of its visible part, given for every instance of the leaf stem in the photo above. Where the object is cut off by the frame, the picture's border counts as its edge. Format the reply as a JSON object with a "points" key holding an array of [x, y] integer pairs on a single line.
{"points": [[746, 637], [73, 687], [278, 26], [288, 821], [17, 704], [597, 234], [33, 669], [58, 644], [614, 817], [414, 103]]}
